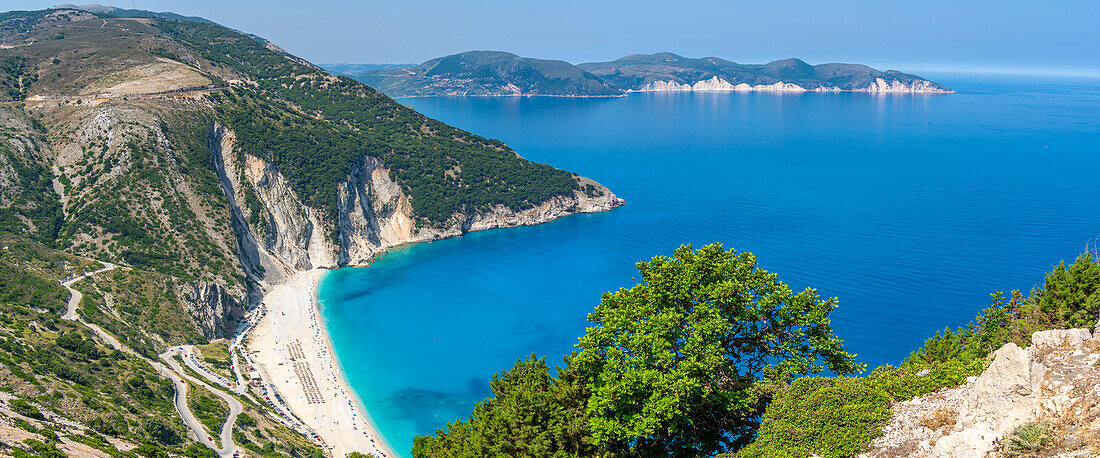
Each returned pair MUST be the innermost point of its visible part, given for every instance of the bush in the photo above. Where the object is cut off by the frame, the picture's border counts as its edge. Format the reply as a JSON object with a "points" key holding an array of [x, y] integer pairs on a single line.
{"points": [[829, 417], [199, 451], [1027, 438], [160, 432], [25, 409]]}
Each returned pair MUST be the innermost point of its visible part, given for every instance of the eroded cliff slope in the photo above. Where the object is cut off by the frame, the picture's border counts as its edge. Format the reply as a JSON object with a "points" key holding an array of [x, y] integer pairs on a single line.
{"points": [[213, 164]]}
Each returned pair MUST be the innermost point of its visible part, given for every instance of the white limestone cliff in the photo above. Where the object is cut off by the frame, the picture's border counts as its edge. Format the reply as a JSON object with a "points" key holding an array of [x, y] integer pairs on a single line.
{"points": [[1056, 381], [374, 215], [716, 84]]}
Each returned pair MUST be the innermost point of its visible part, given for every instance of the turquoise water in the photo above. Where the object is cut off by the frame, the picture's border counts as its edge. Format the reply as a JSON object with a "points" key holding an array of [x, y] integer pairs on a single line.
{"points": [[910, 209]]}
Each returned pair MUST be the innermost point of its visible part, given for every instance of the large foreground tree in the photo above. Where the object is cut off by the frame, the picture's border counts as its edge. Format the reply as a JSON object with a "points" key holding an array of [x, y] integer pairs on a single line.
{"points": [[672, 364], [671, 367]]}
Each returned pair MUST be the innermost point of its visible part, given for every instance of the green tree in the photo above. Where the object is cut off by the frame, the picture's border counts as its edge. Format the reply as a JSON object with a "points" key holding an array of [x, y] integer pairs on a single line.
{"points": [[1070, 297], [531, 413], [672, 363]]}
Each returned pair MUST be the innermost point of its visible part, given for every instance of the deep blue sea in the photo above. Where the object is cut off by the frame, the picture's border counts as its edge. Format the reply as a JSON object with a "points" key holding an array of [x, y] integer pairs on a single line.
{"points": [[910, 209]]}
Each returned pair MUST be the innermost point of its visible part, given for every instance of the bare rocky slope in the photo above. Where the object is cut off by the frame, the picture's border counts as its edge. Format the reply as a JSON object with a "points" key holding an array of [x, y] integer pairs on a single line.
{"points": [[1053, 386]]}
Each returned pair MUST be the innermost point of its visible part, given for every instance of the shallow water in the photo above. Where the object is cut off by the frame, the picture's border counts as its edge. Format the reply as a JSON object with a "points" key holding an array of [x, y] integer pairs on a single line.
{"points": [[910, 209]]}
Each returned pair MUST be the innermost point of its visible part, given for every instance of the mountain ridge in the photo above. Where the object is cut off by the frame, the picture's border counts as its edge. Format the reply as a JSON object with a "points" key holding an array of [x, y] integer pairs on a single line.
{"points": [[490, 73]]}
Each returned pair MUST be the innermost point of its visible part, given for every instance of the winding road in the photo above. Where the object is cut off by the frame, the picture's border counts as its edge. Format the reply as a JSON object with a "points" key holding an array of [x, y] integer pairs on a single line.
{"points": [[75, 296], [229, 448]]}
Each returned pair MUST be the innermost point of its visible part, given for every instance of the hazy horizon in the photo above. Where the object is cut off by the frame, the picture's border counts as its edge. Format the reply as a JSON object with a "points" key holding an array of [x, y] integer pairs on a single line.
{"points": [[1010, 36]]}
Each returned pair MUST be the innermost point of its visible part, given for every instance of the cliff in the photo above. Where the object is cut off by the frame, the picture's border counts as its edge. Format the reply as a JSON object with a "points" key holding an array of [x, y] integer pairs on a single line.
{"points": [[1050, 387], [375, 214]]}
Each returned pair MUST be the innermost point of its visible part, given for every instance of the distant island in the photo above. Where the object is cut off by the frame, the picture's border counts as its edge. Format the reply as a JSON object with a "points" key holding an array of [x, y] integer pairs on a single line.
{"points": [[496, 73]]}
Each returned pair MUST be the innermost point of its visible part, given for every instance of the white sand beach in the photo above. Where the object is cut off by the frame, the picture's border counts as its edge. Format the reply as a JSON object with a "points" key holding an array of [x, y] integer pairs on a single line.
{"points": [[292, 350]]}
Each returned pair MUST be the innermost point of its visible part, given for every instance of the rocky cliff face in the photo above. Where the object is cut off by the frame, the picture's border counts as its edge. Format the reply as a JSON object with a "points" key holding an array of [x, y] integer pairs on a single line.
{"points": [[214, 308], [374, 215], [716, 84], [1055, 381]]}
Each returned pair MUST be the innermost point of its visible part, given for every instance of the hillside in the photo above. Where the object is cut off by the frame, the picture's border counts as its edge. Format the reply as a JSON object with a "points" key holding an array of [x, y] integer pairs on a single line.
{"points": [[500, 73], [354, 70], [209, 166], [670, 72], [488, 73]]}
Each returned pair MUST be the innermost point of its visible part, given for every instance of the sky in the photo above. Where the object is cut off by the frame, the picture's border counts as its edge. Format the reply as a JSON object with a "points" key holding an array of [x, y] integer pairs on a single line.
{"points": [[1053, 37]]}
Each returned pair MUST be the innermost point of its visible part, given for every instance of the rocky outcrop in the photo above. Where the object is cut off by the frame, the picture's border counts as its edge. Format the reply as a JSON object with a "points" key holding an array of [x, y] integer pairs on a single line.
{"points": [[216, 311], [1002, 398], [882, 86], [374, 215], [716, 84], [1056, 381]]}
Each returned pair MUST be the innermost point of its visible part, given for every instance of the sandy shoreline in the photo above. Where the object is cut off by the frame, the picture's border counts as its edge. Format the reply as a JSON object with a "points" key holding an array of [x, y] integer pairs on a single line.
{"points": [[292, 350]]}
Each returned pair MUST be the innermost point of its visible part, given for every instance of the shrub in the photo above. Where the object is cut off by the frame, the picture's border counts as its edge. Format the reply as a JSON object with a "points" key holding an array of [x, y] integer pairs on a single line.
{"points": [[25, 409], [829, 417], [1029, 437]]}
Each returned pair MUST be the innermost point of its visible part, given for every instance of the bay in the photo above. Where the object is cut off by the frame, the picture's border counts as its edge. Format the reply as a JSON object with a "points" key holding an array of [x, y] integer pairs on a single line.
{"points": [[910, 209]]}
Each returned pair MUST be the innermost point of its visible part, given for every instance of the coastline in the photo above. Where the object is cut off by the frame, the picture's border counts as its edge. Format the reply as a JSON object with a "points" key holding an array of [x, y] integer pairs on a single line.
{"points": [[294, 354], [628, 92]]}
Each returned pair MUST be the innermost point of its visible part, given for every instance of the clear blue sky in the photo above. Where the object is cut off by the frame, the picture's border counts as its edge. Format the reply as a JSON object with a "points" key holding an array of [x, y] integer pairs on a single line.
{"points": [[1059, 36]]}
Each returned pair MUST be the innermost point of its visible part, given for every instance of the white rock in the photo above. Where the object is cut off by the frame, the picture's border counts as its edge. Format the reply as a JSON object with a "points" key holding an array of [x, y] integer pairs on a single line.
{"points": [[971, 443], [1058, 337]]}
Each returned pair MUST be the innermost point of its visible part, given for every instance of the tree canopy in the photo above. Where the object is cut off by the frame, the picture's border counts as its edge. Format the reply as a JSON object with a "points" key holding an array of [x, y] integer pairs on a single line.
{"points": [[670, 367], [672, 362]]}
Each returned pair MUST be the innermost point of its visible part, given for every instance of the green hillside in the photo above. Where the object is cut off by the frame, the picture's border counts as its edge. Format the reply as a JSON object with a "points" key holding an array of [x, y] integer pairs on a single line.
{"points": [[488, 73], [107, 155]]}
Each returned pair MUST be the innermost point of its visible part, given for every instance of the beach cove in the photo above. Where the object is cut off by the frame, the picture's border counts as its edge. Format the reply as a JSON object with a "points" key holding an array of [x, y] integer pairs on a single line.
{"points": [[291, 348]]}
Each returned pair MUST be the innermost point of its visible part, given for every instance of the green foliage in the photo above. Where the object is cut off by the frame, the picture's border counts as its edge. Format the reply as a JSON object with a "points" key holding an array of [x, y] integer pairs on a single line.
{"points": [[76, 342], [296, 111], [672, 362], [145, 304], [150, 450], [672, 367], [829, 417], [25, 289], [33, 207], [199, 451], [993, 328], [531, 413], [25, 409], [211, 412], [78, 379], [839, 417], [1028, 438], [1069, 297], [44, 450], [16, 77], [159, 431]]}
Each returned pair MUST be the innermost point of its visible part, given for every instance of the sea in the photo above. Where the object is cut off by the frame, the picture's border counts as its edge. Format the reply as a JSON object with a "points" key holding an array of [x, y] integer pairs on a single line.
{"points": [[911, 209]]}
